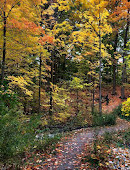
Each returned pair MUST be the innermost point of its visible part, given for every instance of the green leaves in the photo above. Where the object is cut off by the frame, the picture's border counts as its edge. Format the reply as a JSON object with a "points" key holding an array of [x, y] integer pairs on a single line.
{"points": [[76, 84]]}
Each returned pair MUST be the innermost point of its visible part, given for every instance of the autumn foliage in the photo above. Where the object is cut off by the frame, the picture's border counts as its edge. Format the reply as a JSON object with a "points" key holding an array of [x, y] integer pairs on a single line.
{"points": [[64, 61]]}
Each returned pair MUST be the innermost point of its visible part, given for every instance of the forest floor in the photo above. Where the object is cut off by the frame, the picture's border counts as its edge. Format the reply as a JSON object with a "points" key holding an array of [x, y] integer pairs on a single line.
{"points": [[70, 151], [114, 100]]}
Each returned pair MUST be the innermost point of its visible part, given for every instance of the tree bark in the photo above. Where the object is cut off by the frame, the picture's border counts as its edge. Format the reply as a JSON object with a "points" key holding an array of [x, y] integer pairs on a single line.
{"points": [[124, 65], [4, 47], [77, 103], [114, 67], [100, 63], [40, 65], [52, 81], [93, 97]]}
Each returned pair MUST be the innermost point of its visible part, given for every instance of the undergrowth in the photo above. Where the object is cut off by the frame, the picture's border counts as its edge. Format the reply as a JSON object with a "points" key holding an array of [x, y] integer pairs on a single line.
{"points": [[117, 111], [104, 119], [98, 154]]}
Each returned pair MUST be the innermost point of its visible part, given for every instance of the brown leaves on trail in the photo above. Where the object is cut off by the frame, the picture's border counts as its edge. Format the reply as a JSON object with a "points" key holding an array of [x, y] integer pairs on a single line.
{"points": [[105, 156], [77, 151], [114, 100]]}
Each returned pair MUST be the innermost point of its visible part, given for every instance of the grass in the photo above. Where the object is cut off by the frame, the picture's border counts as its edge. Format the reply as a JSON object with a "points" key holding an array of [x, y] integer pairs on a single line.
{"points": [[104, 119], [47, 142], [122, 139], [119, 139]]}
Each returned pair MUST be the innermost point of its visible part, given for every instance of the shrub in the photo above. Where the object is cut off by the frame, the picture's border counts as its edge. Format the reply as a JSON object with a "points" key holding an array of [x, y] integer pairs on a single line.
{"points": [[117, 110], [47, 142], [18, 131], [126, 108], [60, 108], [16, 135], [105, 119], [10, 142]]}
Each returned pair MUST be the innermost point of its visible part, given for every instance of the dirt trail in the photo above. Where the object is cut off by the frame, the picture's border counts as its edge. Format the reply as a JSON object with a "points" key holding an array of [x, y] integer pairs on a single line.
{"points": [[68, 152], [70, 148]]}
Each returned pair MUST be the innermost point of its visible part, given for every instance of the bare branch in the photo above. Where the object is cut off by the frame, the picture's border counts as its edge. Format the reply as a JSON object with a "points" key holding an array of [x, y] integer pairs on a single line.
{"points": [[93, 28], [15, 3]]}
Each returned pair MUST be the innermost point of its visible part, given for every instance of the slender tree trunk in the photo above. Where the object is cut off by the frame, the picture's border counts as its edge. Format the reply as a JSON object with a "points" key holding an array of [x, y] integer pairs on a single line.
{"points": [[100, 63], [114, 67], [40, 65], [89, 81], [50, 110], [93, 97], [77, 103], [25, 106], [100, 92], [52, 81], [124, 65], [4, 48], [55, 71], [114, 79], [64, 66]]}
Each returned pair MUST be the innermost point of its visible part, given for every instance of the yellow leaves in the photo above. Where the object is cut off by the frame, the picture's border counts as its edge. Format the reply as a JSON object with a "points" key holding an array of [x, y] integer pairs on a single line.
{"points": [[79, 58], [76, 84], [61, 116], [79, 37], [59, 95], [49, 11], [126, 108], [103, 4], [62, 27], [107, 163], [63, 5], [44, 122], [92, 73], [98, 147], [127, 115], [88, 53], [60, 105], [21, 83], [109, 46], [117, 56]]}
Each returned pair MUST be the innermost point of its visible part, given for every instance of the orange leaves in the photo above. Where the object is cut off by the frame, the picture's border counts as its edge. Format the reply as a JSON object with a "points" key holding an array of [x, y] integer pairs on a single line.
{"points": [[120, 11], [29, 25], [47, 67], [25, 25], [31, 28], [45, 39], [14, 24]]}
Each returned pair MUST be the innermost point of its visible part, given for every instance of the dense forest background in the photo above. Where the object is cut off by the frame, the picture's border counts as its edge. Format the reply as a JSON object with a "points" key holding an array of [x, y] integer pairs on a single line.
{"points": [[61, 62]]}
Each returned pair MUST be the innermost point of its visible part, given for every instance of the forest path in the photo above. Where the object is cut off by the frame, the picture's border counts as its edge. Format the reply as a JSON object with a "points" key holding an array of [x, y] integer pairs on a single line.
{"points": [[70, 148]]}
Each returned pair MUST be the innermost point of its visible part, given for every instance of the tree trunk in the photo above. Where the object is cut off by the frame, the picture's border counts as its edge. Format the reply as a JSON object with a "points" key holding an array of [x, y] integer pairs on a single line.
{"points": [[77, 103], [39, 104], [93, 98], [4, 48], [100, 92], [100, 63], [114, 67], [52, 81], [124, 65]]}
